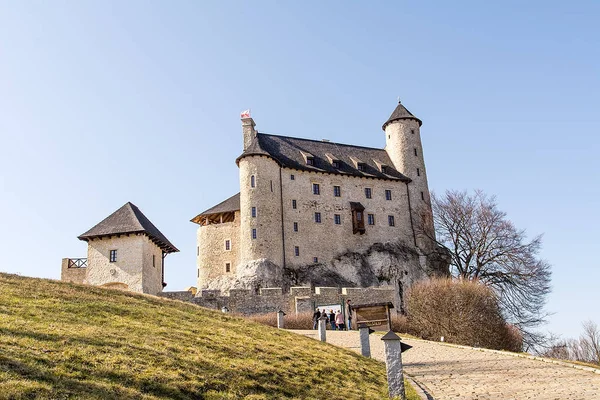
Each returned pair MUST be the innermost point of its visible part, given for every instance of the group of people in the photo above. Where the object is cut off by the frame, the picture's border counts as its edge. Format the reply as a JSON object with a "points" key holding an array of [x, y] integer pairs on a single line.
{"points": [[335, 319]]}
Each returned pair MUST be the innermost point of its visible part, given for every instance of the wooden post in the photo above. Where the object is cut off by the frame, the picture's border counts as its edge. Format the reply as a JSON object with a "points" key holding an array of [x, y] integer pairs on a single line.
{"points": [[280, 315], [323, 328], [387, 310], [393, 365]]}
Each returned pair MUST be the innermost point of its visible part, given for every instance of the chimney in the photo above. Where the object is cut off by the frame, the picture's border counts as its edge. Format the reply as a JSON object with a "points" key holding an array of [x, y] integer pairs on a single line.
{"points": [[248, 131]]}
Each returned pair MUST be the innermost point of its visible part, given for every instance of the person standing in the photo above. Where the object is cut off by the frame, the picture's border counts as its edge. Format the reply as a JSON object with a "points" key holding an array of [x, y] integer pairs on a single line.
{"points": [[332, 319], [315, 318], [339, 320], [349, 314]]}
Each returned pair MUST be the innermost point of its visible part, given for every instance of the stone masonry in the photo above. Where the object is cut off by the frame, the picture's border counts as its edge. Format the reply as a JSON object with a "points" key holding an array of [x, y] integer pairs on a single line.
{"points": [[316, 213], [271, 300]]}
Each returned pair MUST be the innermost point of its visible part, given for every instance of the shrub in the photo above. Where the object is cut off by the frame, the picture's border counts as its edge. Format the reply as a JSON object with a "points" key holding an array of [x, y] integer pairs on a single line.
{"points": [[463, 312]]}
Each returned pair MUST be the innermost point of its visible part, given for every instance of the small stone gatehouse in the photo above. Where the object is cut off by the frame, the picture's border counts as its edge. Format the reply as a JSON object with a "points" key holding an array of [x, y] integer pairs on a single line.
{"points": [[125, 251]]}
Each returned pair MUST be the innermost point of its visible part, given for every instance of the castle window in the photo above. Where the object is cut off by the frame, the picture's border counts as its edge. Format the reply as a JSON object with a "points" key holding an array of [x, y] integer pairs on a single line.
{"points": [[418, 172], [113, 256], [316, 188], [415, 149], [227, 267], [252, 181], [198, 273], [368, 193], [388, 194], [422, 195], [412, 131], [296, 251], [253, 212], [318, 217], [292, 177], [391, 221], [295, 227], [253, 233], [228, 245], [294, 204], [337, 218], [335, 164], [197, 250], [371, 219], [154, 260], [337, 191], [361, 167], [315, 259], [384, 169], [310, 161], [271, 186]]}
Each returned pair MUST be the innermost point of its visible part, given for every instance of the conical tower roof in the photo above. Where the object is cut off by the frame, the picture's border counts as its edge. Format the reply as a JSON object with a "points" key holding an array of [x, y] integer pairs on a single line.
{"points": [[129, 219], [401, 113]]}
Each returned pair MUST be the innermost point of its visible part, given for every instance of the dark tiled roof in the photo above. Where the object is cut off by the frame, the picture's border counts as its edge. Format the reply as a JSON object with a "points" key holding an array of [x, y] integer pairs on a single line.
{"points": [[288, 152], [401, 113], [129, 219], [229, 205]]}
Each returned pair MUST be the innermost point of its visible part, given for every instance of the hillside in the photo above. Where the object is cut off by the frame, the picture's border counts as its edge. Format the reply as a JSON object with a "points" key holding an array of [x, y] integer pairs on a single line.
{"points": [[60, 340]]}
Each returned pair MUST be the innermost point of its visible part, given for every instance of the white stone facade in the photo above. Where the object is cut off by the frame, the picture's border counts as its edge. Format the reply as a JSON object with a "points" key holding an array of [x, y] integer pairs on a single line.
{"points": [[138, 263], [285, 231], [212, 255]]}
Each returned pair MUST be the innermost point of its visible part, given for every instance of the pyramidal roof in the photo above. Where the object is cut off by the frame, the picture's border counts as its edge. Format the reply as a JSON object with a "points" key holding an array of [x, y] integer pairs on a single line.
{"points": [[129, 219], [401, 113]]}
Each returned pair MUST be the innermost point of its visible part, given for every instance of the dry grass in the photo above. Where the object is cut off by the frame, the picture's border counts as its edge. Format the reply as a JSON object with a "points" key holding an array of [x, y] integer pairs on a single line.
{"points": [[292, 321], [60, 341]]}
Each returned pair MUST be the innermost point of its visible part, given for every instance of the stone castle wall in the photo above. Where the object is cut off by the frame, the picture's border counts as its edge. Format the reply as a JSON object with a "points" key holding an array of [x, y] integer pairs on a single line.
{"points": [[326, 240], [212, 254], [403, 138], [266, 197], [134, 255], [74, 275], [297, 300]]}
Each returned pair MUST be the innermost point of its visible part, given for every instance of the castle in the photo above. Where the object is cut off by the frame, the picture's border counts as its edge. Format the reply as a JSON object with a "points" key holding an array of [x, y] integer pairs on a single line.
{"points": [[319, 213], [314, 221]]}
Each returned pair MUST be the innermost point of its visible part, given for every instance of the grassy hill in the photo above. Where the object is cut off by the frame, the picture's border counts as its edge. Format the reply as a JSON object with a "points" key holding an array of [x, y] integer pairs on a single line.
{"points": [[61, 341]]}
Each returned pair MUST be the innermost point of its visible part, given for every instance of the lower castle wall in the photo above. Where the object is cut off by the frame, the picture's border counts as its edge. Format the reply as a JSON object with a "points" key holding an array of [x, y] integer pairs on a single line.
{"points": [[74, 275], [299, 299]]}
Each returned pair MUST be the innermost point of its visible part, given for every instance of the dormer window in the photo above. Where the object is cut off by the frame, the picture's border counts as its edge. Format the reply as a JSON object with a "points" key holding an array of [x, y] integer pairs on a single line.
{"points": [[358, 164], [309, 159], [383, 168], [335, 162]]}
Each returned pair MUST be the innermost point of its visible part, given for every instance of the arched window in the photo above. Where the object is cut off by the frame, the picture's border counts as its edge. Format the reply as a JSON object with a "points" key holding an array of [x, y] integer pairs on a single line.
{"points": [[252, 181]]}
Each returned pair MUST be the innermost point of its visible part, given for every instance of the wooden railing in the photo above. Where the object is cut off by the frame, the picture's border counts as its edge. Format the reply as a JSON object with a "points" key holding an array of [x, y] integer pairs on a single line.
{"points": [[77, 262]]}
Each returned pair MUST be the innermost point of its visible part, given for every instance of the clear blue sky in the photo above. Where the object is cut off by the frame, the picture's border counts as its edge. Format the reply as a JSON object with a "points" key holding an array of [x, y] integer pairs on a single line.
{"points": [[107, 102]]}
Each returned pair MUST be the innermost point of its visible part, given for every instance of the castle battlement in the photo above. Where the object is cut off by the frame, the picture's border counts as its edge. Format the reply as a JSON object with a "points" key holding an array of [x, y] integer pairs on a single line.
{"points": [[298, 299]]}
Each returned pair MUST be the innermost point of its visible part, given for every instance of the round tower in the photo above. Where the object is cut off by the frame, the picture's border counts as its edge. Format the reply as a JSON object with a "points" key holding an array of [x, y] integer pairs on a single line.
{"points": [[403, 145], [261, 232]]}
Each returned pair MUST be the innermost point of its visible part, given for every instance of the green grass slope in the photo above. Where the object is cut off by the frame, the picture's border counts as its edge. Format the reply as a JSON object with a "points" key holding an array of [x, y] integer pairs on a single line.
{"points": [[63, 341]]}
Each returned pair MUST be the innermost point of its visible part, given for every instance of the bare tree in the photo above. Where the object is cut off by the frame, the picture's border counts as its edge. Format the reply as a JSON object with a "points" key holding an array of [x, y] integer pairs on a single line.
{"points": [[590, 342], [586, 348], [485, 246]]}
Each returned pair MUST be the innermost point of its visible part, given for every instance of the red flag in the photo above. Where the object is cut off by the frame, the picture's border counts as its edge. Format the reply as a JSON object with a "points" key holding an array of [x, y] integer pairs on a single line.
{"points": [[245, 114]]}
